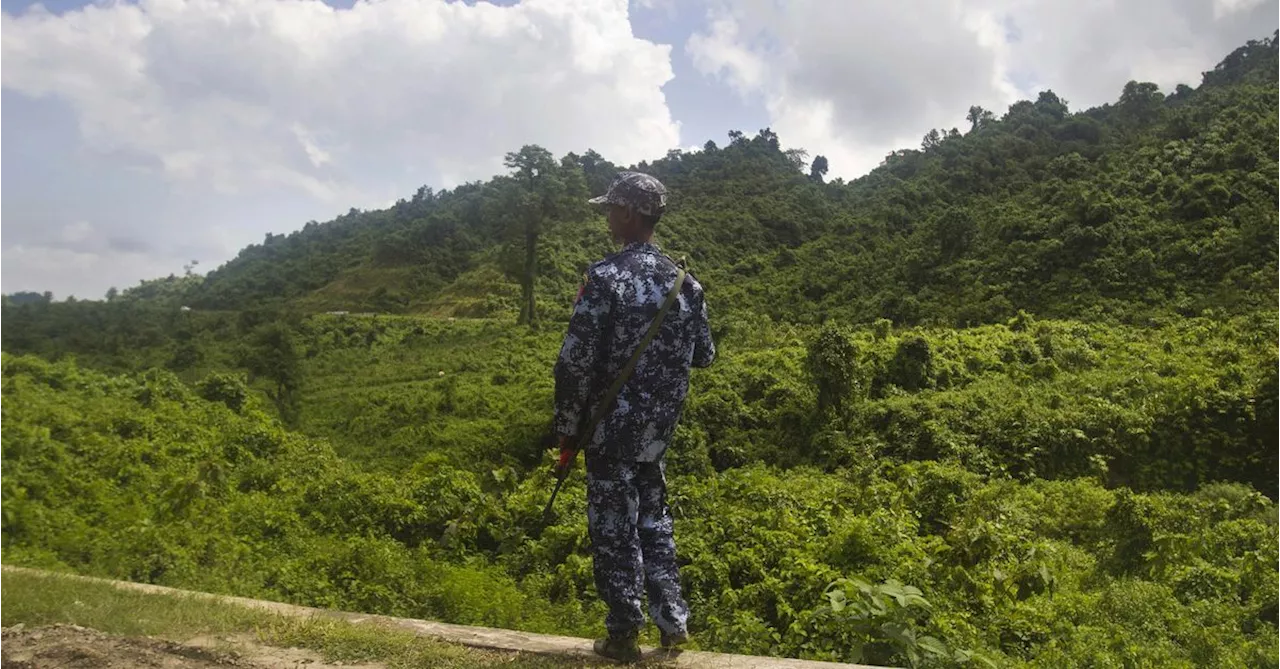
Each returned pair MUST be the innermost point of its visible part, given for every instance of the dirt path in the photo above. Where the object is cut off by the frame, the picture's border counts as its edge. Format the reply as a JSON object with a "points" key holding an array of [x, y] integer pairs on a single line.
{"points": [[75, 647]]}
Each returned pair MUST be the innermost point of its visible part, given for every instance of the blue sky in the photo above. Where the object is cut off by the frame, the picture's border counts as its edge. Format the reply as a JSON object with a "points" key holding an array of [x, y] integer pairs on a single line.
{"points": [[705, 106], [143, 135]]}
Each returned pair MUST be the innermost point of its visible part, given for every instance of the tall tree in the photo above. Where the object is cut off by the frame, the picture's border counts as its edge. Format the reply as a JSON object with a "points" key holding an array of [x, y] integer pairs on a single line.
{"points": [[796, 157], [1140, 102], [1049, 103], [271, 353], [544, 190], [597, 171], [818, 169], [931, 141], [979, 117]]}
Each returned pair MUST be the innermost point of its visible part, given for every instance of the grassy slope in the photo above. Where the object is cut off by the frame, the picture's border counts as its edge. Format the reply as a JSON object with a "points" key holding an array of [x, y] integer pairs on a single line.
{"points": [[388, 390], [34, 600], [1041, 398]]}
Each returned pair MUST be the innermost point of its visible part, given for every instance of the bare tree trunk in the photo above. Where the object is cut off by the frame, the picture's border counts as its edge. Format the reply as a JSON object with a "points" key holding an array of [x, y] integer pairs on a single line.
{"points": [[528, 310]]}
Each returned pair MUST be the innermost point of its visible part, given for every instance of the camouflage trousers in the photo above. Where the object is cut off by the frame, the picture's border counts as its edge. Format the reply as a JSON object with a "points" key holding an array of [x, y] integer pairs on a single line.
{"points": [[634, 550]]}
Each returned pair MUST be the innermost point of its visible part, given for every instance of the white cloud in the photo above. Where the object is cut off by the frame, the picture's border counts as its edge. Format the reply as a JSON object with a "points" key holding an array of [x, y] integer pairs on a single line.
{"points": [[855, 80], [669, 6], [248, 99], [267, 93], [721, 53], [1087, 51], [1223, 8], [76, 232], [84, 274]]}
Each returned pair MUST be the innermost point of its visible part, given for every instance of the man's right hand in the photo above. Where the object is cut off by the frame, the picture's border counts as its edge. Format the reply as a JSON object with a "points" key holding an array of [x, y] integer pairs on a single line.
{"points": [[567, 455]]}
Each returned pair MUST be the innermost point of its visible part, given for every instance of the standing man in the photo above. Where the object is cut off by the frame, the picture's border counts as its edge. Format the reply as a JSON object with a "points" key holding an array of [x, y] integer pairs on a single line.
{"points": [[630, 525]]}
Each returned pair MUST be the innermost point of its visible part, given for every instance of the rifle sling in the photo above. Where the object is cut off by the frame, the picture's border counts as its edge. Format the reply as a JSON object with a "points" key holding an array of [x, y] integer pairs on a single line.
{"points": [[631, 364]]}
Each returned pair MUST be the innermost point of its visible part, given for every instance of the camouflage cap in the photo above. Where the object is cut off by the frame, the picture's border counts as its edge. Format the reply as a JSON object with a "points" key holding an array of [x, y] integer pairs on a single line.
{"points": [[640, 191]]}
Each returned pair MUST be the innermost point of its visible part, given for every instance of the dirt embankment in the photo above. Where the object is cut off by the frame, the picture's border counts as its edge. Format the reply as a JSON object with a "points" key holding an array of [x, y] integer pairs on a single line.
{"points": [[75, 647]]}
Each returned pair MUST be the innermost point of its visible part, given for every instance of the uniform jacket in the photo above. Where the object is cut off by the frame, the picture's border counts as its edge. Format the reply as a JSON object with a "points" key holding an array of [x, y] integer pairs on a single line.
{"points": [[619, 299]]}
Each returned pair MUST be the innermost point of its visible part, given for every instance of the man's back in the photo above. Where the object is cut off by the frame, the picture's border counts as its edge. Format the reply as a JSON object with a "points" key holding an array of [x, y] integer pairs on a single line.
{"points": [[620, 298]]}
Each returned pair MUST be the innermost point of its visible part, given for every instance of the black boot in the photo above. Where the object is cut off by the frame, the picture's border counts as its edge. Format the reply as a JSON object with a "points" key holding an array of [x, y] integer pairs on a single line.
{"points": [[625, 648], [673, 640]]}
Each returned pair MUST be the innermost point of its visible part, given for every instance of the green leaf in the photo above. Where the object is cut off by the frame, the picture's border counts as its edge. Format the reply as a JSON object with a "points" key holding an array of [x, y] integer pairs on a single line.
{"points": [[932, 646]]}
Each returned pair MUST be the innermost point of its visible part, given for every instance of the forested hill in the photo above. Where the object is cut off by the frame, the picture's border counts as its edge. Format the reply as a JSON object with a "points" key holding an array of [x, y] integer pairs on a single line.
{"points": [[1156, 204]]}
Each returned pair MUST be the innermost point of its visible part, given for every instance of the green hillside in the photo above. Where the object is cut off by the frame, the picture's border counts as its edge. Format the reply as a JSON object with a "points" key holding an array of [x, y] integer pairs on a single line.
{"points": [[1009, 400], [1158, 203]]}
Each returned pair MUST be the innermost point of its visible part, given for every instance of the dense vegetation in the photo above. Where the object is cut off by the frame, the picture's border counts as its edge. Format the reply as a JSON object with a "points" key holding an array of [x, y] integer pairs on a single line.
{"points": [[1008, 400], [423, 500]]}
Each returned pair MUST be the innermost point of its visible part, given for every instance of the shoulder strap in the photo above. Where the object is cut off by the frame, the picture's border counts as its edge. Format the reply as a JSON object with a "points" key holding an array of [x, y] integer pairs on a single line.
{"points": [[623, 375]]}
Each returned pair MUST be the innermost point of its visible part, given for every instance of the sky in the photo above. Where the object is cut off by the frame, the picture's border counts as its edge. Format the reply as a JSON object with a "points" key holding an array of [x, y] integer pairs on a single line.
{"points": [[141, 135]]}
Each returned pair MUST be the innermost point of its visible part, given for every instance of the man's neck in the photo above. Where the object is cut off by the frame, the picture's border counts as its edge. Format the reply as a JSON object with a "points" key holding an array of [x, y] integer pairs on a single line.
{"points": [[646, 239]]}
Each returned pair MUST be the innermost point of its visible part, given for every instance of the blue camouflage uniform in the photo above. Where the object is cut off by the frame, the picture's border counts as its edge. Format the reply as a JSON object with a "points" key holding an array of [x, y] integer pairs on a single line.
{"points": [[629, 521]]}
